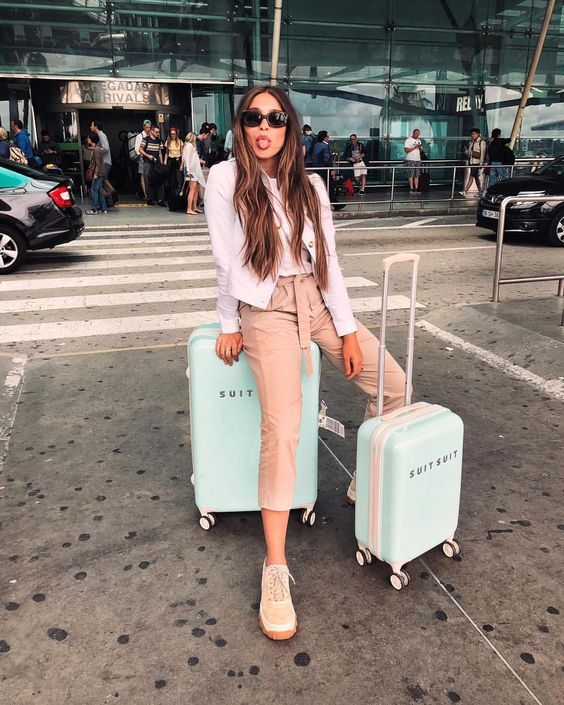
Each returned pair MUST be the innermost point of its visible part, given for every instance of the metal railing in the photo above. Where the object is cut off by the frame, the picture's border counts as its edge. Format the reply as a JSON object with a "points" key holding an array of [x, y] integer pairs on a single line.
{"points": [[498, 281], [386, 179]]}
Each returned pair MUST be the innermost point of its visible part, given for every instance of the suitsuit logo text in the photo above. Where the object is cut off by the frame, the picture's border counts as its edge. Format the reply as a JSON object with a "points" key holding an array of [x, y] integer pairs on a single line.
{"points": [[233, 393], [441, 460]]}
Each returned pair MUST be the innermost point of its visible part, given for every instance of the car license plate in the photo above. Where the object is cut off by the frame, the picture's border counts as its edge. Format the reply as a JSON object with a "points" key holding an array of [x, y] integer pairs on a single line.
{"points": [[490, 214]]}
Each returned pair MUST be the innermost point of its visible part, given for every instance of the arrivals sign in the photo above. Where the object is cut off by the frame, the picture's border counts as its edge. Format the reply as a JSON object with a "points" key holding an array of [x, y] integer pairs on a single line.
{"points": [[114, 93], [469, 103]]}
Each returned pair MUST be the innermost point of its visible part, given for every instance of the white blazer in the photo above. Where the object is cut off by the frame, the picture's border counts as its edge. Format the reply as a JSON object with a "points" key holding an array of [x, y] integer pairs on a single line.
{"points": [[238, 282]]}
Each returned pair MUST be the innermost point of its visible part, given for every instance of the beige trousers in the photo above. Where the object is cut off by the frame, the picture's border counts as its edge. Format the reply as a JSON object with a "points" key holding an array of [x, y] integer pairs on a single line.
{"points": [[274, 341]]}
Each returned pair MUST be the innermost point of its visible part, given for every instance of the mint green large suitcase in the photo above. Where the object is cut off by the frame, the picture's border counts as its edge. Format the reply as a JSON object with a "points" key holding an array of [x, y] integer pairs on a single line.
{"points": [[408, 469], [225, 432]]}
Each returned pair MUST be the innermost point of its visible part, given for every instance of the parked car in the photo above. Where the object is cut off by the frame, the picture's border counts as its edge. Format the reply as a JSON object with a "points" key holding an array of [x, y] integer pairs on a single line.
{"points": [[525, 216], [37, 210]]}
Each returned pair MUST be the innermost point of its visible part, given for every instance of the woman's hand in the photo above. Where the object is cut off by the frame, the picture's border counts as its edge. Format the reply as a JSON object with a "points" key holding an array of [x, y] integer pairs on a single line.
{"points": [[352, 356], [228, 346]]}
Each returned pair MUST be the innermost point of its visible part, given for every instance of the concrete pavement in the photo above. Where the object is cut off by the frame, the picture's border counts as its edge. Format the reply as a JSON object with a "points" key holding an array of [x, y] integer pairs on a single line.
{"points": [[112, 593]]}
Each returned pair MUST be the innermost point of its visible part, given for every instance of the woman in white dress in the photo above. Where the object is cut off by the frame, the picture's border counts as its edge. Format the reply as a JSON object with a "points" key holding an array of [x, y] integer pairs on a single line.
{"points": [[193, 175]]}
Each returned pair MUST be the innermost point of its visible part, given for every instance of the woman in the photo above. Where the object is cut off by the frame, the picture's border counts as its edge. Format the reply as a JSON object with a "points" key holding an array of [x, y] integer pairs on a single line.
{"points": [[280, 283], [193, 174], [98, 172], [4, 143], [173, 157]]}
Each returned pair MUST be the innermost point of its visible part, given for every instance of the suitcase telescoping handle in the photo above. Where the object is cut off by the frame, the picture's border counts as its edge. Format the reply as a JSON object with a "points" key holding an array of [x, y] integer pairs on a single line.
{"points": [[386, 265]]}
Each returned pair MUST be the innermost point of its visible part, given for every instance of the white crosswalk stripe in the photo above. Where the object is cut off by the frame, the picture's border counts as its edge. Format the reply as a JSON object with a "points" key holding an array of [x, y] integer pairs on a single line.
{"points": [[149, 262], [98, 251], [137, 297], [168, 292]]}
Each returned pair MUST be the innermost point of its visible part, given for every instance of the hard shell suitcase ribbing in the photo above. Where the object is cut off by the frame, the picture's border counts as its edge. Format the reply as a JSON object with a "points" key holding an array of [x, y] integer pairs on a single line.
{"points": [[408, 469], [225, 432]]}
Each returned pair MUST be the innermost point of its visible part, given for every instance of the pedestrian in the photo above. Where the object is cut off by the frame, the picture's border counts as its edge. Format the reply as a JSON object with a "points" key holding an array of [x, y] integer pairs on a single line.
{"points": [[475, 151], [104, 144], [500, 157], [49, 150], [355, 153], [97, 174], [279, 283], [203, 141], [22, 141], [4, 143], [228, 145], [212, 156], [308, 142], [140, 164], [412, 161], [193, 174], [151, 150], [321, 158], [173, 158]]}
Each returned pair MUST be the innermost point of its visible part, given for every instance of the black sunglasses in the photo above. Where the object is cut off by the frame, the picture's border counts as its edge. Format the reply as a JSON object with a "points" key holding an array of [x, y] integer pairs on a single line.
{"points": [[275, 118]]}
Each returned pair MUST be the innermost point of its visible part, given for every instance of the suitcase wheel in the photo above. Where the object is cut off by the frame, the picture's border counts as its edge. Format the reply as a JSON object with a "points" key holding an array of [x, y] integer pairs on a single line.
{"points": [[363, 556], [207, 521], [308, 517], [451, 548], [399, 580]]}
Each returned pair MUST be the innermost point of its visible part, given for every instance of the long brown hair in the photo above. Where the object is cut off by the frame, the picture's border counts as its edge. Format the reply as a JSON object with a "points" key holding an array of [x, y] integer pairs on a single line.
{"points": [[263, 248]]}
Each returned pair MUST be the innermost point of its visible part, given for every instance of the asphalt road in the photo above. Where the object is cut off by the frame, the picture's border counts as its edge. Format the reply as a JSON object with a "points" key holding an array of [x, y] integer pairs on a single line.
{"points": [[140, 287]]}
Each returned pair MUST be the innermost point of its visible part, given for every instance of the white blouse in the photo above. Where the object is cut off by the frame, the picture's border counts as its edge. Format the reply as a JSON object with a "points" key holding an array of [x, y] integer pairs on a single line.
{"points": [[288, 266]]}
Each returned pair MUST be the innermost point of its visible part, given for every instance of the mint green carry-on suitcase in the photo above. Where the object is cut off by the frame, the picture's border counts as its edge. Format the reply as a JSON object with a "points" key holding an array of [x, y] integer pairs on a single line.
{"points": [[225, 432], [408, 469]]}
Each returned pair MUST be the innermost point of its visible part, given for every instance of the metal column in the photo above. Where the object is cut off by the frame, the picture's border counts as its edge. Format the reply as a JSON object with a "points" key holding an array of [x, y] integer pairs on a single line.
{"points": [[275, 42], [532, 71]]}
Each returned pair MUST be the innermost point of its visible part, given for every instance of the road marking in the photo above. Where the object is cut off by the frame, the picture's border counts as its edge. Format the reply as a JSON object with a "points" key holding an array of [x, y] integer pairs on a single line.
{"points": [[419, 223], [158, 230], [105, 326], [19, 283], [420, 227], [156, 248], [160, 227], [480, 632], [114, 326], [348, 223], [155, 240], [123, 264], [374, 303], [553, 388], [140, 297], [453, 599], [8, 408], [431, 249]]}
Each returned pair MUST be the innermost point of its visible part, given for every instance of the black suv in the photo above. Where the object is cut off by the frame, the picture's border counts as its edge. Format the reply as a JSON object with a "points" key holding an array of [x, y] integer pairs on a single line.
{"points": [[524, 216], [37, 210]]}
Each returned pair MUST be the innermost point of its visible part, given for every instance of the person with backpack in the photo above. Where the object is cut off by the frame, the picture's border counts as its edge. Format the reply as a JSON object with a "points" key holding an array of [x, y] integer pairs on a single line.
{"points": [[22, 141], [140, 163], [476, 153]]}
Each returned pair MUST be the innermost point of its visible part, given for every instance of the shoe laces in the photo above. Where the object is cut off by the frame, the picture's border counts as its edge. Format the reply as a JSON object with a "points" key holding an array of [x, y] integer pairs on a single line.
{"points": [[276, 585]]}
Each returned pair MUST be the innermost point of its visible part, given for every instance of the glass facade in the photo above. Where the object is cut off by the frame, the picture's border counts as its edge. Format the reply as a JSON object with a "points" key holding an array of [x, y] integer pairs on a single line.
{"points": [[377, 67]]}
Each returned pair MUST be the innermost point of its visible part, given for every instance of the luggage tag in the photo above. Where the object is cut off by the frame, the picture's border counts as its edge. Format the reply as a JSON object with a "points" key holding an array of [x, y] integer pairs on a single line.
{"points": [[328, 423]]}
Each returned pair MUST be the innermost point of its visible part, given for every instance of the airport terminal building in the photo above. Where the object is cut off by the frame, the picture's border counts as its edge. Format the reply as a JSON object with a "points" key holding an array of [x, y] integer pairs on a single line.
{"points": [[375, 67]]}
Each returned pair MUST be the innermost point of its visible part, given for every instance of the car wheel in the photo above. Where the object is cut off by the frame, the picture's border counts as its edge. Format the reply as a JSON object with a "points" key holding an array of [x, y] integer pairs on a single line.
{"points": [[13, 248], [555, 232]]}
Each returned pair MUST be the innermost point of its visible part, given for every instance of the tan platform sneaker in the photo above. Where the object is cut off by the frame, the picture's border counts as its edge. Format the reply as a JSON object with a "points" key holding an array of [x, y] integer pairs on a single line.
{"points": [[277, 617]]}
